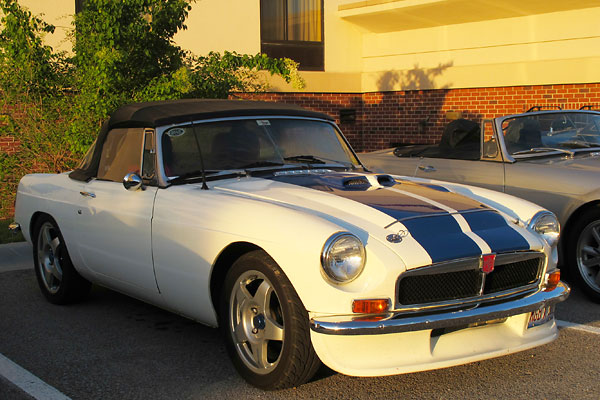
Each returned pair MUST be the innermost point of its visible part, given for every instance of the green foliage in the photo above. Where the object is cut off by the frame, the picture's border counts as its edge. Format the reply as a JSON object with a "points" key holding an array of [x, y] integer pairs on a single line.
{"points": [[123, 52]]}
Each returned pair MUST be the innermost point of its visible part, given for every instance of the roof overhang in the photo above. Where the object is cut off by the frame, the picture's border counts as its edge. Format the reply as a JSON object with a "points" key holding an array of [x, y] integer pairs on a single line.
{"points": [[398, 15]]}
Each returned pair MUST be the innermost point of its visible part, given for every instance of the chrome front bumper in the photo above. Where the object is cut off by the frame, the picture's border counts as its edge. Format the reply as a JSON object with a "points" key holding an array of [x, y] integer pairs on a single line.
{"points": [[402, 322], [14, 228]]}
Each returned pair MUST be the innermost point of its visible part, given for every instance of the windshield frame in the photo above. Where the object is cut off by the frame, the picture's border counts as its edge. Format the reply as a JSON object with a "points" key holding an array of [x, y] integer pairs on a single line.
{"points": [[164, 179], [499, 122]]}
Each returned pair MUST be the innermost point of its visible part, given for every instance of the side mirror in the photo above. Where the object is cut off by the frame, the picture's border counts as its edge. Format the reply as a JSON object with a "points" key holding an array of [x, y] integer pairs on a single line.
{"points": [[132, 182]]}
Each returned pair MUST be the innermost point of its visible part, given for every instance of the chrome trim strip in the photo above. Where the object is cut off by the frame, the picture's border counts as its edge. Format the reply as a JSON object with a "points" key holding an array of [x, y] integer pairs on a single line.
{"points": [[398, 323], [470, 301], [14, 227]]}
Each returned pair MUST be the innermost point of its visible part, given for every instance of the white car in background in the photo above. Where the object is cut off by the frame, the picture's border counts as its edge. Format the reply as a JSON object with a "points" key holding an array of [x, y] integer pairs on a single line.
{"points": [[259, 218]]}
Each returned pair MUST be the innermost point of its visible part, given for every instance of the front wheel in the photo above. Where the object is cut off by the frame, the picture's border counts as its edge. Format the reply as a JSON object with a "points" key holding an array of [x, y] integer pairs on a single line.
{"points": [[265, 325], [584, 254]]}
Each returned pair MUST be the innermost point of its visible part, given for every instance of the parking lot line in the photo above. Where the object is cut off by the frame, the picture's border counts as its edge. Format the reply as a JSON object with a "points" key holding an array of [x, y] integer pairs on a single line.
{"points": [[579, 327], [27, 382]]}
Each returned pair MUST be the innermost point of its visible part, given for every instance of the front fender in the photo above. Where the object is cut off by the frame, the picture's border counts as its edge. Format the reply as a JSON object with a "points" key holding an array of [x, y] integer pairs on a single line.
{"points": [[188, 238]]}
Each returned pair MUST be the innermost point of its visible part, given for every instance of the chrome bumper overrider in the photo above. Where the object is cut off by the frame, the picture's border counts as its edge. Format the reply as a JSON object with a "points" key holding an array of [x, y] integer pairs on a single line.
{"points": [[14, 227], [401, 322]]}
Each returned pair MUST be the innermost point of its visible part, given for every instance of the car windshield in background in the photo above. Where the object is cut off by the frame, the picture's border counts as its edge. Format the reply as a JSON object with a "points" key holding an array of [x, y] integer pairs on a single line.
{"points": [[565, 132], [253, 143]]}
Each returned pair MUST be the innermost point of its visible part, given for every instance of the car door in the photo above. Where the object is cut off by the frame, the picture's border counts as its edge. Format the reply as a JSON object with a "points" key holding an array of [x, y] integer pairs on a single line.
{"points": [[477, 165], [386, 162], [113, 223]]}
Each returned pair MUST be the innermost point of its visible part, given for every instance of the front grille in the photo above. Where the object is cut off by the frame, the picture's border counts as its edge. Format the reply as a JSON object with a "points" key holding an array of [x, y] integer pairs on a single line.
{"points": [[439, 287], [432, 284], [512, 275]]}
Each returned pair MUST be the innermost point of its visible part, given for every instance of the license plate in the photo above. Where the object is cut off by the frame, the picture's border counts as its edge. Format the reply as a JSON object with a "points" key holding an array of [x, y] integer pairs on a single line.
{"points": [[540, 316]]}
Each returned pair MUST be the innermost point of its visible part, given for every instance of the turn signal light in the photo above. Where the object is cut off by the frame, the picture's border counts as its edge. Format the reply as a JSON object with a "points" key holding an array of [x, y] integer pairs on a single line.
{"points": [[552, 281], [374, 306]]}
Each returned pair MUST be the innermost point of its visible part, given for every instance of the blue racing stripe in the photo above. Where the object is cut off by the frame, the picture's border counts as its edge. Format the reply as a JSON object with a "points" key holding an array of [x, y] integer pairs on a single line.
{"points": [[493, 228], [442, 238]]}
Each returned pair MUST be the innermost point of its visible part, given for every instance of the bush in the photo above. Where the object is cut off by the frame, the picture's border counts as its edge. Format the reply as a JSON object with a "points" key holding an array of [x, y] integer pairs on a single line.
{"points": [[124, 52]]}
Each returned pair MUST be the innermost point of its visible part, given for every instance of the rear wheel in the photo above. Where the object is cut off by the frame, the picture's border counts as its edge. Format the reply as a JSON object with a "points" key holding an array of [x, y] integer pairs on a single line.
{"points": [[265, 325], [57, 278], [584, 254]]}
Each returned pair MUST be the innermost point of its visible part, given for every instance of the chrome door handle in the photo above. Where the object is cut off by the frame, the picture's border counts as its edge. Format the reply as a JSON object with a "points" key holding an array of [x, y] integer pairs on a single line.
{"points": [[88, 194], [427, 168]]}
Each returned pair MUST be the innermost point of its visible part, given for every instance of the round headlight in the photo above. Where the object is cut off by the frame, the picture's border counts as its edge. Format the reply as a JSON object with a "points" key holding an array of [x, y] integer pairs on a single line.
{"points": [[343, 257], [546, 224]]}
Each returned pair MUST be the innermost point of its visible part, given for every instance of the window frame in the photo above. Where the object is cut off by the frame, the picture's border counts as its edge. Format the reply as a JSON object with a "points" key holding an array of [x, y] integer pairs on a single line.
{"points": [[142, 132], [292, 48]]}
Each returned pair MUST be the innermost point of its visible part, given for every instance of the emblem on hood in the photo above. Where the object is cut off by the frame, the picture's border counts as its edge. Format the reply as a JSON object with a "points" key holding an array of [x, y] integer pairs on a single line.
{"points": [[397, 237]]}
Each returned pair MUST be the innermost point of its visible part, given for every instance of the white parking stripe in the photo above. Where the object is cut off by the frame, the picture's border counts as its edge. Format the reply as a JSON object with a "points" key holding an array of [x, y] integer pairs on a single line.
{"points": [[579, 327], [27, 382]]}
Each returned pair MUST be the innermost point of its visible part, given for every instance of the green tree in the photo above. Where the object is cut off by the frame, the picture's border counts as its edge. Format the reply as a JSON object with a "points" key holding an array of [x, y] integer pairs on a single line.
{"points": [[123, 52]]}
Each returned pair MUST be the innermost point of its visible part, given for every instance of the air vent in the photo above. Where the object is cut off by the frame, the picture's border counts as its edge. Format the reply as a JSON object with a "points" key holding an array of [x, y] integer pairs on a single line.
{"points": [[356, 183], [386, 180]]}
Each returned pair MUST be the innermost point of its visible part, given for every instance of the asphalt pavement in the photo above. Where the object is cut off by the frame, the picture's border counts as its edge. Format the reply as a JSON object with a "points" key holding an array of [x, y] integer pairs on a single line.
{"points": [[115, 347]]}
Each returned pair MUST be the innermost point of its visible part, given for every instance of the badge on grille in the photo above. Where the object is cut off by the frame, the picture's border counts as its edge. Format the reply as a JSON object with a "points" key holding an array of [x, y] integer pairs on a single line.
{"points": [[487, 263]]}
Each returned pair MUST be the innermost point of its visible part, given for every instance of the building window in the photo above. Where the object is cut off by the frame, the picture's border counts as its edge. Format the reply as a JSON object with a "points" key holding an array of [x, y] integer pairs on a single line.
{"points": [[293, 29]]}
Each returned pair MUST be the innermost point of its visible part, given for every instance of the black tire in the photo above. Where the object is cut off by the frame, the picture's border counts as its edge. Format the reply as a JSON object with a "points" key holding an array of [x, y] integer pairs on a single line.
{"points": [[583, 254], [58, 280], [259, 299]]}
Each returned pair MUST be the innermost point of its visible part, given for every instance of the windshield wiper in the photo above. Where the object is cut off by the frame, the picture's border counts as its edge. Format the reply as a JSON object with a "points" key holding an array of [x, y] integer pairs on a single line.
{"points": [[542, 150], [211, 175], [306, 158], [576, 144], [259, 164]]}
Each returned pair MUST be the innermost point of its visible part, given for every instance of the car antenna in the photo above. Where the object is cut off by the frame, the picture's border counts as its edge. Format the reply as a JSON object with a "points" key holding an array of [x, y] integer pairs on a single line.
{"points": [[204, 185]]}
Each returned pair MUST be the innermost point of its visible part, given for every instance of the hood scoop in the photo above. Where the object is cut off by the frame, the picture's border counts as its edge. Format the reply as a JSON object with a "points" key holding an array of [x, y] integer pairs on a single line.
{"points": [[356, 183], [367, 182], [386, 180]]}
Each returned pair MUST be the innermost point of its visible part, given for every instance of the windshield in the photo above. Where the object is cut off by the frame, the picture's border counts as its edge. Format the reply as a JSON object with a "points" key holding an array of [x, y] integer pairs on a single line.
{"points": [[253, 143], [560, 131]]}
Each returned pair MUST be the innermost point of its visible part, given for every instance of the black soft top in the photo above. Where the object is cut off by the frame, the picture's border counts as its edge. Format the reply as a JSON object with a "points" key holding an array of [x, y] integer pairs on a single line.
{"points": [[160, 113]]}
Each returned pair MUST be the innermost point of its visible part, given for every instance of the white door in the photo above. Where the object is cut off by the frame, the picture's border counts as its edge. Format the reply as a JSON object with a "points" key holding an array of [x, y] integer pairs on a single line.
{"points": [[114, 225]]}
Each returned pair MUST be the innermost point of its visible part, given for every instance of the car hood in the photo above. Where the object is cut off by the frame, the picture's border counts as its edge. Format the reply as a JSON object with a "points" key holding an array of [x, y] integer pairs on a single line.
{"points": [[445, 225], [589, 162]]}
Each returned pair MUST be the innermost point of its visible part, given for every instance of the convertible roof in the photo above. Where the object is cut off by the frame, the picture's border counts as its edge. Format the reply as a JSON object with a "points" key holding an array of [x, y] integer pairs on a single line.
{"points": [[160, 113]]}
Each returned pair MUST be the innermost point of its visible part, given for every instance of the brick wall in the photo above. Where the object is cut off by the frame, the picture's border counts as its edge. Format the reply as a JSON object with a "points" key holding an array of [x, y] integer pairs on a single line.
{"points": [[8, 145], [419, 116]]}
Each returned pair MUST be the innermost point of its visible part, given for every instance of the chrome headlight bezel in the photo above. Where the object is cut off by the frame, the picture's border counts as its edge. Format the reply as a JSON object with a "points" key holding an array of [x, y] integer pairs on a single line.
{"points": [[545, 224], [333, 274]]}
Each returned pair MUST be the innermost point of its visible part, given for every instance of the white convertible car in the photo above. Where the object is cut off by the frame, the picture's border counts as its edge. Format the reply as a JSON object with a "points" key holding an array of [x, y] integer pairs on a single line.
{"points": [[260, 219]]}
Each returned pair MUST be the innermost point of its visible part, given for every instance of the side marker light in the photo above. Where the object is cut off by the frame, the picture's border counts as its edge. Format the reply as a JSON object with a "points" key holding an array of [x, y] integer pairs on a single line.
{"points": [[373, 306]]}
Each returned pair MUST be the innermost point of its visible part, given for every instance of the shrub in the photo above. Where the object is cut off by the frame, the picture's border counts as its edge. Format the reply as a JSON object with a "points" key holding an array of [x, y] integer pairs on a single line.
{"points": [[124, 52]]}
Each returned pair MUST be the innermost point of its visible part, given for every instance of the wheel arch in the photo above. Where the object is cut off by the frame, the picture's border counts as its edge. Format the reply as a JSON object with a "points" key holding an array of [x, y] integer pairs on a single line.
{"points": [[571, 221], [35, 218], [222, 264]]}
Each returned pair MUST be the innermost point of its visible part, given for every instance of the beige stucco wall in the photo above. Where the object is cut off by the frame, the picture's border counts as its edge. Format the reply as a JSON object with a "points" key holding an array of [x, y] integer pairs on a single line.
{"points": [[558, 47], [218, 25], [58, 13], [376, 45]]}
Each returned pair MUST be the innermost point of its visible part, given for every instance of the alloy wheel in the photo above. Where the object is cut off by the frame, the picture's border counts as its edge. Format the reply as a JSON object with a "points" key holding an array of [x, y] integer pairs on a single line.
{"points": [[588, 255], [48, 249], [256, 322]]}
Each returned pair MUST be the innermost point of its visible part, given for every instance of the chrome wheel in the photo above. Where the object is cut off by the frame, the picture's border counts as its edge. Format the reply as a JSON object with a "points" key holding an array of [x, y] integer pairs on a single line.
{"points": [[256, 322], [588, 255], [48, 257]]}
